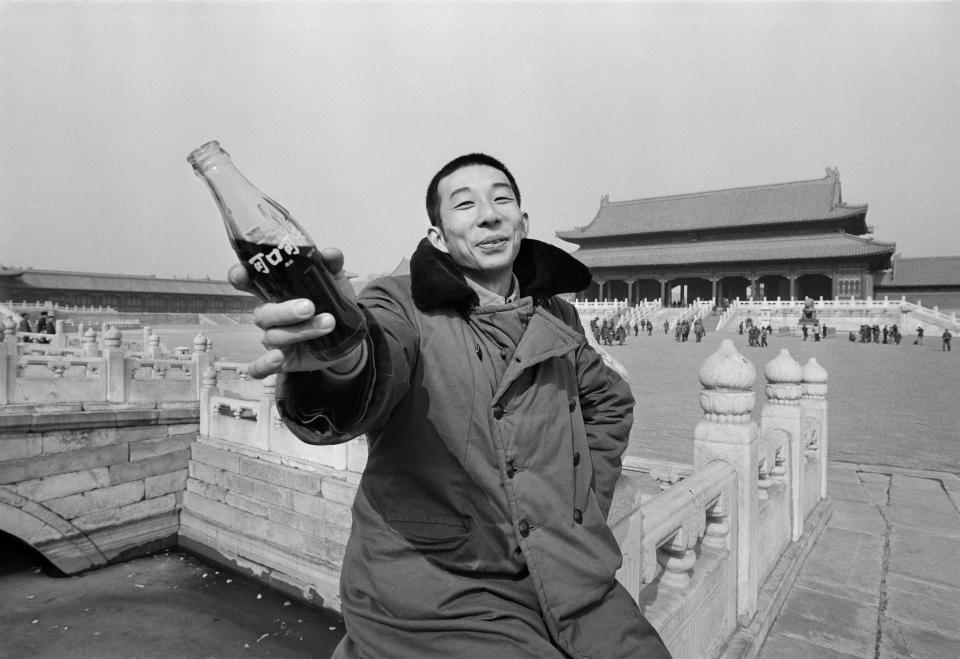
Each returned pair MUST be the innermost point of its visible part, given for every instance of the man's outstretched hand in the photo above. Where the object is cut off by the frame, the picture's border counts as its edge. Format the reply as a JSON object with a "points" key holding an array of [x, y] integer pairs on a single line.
{"points": [[287, 325]]}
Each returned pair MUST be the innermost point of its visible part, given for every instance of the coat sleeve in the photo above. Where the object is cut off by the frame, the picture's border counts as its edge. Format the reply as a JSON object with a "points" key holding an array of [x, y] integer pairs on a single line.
{"points": [[606, 404], [320, 409]]}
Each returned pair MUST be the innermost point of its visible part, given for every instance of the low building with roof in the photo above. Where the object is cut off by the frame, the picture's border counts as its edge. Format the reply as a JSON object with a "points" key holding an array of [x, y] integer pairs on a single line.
{"points": [[122, 293], [786, 240], [933, 281]]}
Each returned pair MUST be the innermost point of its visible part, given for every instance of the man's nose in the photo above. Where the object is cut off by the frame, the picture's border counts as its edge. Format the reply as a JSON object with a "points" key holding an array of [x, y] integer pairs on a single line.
{"points": [[488, 213]]}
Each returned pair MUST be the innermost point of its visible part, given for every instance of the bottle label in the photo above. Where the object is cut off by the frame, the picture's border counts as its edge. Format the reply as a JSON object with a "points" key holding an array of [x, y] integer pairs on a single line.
{"points": [[262, 261]]}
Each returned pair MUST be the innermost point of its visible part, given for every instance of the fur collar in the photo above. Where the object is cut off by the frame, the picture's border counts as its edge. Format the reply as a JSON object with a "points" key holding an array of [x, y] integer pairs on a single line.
{"points": [[542, 270]]}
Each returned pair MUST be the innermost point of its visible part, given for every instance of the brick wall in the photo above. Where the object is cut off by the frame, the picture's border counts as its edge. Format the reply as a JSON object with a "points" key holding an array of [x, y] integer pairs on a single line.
{"points": [[283, 524], [87, 487]]}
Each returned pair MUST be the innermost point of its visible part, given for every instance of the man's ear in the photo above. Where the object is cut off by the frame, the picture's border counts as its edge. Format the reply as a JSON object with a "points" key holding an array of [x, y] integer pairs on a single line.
{"points": [[435, 236], [525, 225]]}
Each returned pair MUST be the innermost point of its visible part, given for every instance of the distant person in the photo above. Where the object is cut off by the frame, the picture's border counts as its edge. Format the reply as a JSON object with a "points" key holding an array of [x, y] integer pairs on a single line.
{"points": [[919, 339], [740, 330], [763, 337], [24, 326], [41, 328], [805, 332], [946, 340]]}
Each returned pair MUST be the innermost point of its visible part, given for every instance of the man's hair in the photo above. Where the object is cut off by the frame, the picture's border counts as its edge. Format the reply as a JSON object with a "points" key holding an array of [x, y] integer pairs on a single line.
{"points": [[433, 196]]}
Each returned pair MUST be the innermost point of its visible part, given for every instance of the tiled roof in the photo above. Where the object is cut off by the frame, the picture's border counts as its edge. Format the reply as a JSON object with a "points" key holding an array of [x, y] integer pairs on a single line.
{"points": [[111, 283], [798, 248], [925, 271], [817, 199]]}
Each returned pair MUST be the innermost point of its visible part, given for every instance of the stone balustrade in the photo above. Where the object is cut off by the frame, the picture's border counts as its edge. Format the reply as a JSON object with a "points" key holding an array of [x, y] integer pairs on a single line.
{"points": [[34, 373], [709, 549]]}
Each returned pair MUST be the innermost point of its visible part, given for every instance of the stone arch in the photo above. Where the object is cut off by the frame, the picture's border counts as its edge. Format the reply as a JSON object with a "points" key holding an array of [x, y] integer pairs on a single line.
{"points": [[59, 541]]}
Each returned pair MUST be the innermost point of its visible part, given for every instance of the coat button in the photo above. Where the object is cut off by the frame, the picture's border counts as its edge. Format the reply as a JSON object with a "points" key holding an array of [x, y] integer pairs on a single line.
{"points": [[578, 516], [576, 458], [497, 412], [524, 528], [572, 404]]}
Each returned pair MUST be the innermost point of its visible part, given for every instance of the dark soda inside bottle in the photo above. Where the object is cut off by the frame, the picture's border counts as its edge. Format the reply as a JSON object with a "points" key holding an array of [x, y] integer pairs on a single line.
{"points": [[286, 272], [281, 259]]}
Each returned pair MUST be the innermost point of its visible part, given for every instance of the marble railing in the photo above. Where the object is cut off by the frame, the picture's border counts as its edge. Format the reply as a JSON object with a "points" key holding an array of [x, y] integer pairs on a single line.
{"points": [[35, 373], [707, 547]]}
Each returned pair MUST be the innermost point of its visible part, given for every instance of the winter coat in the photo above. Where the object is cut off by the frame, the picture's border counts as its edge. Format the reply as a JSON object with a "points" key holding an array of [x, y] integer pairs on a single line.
{"points": [[495, 440]]}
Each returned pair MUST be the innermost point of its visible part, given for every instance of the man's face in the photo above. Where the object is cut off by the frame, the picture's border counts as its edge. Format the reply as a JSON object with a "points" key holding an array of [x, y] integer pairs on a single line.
{"points": [[481, 222]]}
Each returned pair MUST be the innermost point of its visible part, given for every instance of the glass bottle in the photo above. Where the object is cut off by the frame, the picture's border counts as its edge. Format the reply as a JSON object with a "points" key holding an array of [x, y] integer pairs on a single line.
{"points": [[281, 259]]}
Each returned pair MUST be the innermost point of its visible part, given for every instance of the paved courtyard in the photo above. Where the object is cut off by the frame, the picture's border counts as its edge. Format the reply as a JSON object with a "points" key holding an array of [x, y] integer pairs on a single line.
{"points": [[884, 578], [883, 581]]}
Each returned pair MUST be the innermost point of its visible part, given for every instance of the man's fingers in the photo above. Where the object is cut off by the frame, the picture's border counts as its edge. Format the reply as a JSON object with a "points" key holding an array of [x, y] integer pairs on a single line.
{"points": [[283, 336], [266, 364], [291, 312], [238, 277]]}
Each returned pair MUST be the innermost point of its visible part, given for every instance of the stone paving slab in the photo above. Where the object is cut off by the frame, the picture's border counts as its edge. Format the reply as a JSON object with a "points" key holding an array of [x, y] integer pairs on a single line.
{"points": [[839, 473], [924, 520], [877, 486], [791, 647], [859, 517], [901, 639], [922, 605], [834, 623], [925, 557], [850, 492], [927, 493], [912, 566], [845, 564]]}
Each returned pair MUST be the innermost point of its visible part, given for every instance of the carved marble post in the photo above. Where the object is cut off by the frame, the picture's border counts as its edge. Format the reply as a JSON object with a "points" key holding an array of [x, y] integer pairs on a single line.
{"points": [[9, 356], [782, 412], [727, 433], [114, 366], [153, 349], [265, 426], [59, 335], [814, 404], [201, 360], [89, 343], [208, 382]]}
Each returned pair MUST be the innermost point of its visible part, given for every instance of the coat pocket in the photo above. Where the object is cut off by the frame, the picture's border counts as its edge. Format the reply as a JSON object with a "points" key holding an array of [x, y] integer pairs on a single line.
{"points": [[430, 533]]}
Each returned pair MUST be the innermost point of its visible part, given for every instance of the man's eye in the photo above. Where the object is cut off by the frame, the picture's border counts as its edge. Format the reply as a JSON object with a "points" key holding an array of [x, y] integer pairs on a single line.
{"points": [[464, 204], [501, 200]]}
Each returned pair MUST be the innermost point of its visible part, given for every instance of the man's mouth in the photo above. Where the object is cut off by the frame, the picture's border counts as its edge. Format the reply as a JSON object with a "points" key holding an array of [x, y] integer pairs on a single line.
{"points": [[496, 241]]}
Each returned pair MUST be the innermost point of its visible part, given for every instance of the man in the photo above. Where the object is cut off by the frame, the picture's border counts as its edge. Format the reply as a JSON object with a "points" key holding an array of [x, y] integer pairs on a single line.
{"points": [[495, 434]]}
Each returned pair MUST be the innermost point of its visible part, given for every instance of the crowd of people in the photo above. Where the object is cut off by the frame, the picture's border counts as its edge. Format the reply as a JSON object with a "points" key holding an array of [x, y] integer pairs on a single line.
{"points": [[45, 325]]}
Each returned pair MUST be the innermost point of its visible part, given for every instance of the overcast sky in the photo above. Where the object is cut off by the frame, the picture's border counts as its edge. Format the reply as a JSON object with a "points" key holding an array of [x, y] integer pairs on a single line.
{"points": [[343, 112]]}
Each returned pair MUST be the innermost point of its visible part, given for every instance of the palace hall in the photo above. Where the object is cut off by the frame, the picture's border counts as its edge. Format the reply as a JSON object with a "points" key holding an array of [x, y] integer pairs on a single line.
{"points": [[786, 240]]}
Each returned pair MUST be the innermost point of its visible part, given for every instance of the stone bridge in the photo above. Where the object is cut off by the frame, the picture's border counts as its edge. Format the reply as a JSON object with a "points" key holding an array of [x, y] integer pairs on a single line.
{"points": [[107, 453]]}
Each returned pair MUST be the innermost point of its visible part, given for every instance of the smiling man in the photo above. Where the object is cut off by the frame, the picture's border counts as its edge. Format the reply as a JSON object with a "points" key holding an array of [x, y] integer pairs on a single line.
{"points": [[495, 433]]}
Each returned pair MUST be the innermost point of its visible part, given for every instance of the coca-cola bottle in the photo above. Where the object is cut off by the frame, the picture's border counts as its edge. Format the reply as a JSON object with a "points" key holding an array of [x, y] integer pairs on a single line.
{"points": [[281, 259]]}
